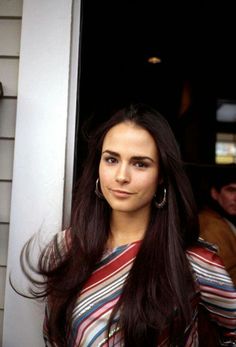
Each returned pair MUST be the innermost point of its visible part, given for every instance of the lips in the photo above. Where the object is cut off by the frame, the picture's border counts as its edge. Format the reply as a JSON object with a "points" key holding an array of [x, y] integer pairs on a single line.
{"points": [[120, 193]]}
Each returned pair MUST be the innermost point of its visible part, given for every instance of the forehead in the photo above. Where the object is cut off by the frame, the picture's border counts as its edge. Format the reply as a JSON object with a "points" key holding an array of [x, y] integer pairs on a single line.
{"points": [[130, 137]]}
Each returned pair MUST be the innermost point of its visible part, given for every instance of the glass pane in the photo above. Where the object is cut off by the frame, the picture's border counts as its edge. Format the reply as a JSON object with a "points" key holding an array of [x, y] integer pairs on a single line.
{"points": [[226, 111], [225, 148]]}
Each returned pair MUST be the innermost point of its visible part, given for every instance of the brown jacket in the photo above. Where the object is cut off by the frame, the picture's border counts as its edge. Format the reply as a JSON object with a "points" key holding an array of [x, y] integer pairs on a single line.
{"points": [[214, 229]]}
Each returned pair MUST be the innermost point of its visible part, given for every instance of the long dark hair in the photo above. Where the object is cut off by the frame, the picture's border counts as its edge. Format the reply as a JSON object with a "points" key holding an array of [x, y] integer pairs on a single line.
{"points": [[159, 284]]}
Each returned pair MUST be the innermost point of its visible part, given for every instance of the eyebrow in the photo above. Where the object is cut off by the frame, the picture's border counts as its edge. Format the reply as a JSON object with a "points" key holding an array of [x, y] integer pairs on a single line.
{"points": [[230, 187], [136, 157]]}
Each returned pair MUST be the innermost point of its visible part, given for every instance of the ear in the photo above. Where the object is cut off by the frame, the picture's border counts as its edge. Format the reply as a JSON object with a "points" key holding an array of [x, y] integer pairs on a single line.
{"points": [[214, 194]]}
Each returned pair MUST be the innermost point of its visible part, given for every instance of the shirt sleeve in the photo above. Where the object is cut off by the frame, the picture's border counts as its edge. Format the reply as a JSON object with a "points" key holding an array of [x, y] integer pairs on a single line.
{"points": [[217, 292]]}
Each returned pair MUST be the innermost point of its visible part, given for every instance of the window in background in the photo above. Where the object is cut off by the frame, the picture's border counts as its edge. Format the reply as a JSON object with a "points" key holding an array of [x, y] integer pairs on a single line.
{"points": [[225, 148], [226, 111]]}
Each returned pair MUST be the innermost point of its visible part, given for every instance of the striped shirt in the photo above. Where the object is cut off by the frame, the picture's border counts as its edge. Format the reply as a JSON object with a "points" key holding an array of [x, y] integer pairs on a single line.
{"points": [[96, 301]]}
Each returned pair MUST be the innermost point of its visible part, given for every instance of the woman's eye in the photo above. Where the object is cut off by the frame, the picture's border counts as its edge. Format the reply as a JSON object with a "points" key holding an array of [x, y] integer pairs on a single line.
{"points": [[110, 160], [140, 164]]}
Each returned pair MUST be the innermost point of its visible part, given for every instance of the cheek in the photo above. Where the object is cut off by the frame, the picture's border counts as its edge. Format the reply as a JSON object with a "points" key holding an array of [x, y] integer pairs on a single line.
{"points": [[149, 183], [101, 173], [224, 201], [104, 174], [226, 198]]}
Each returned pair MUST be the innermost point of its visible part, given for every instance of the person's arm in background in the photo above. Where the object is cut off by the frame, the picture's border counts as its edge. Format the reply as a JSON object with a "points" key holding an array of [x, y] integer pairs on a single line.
{"points": [[215, 230]]}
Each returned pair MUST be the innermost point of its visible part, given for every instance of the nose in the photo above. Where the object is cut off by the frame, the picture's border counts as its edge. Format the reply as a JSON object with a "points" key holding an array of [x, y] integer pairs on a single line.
{"points": [[122, 174]]}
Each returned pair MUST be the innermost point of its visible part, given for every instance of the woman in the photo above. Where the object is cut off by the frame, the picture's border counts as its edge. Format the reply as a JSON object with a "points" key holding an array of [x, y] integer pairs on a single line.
{"points": [[128, 270]]}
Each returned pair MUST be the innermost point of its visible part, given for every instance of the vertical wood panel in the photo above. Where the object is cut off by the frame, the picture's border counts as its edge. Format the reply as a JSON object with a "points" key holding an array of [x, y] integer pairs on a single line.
{"points": [[7, 117], [10, 37]]}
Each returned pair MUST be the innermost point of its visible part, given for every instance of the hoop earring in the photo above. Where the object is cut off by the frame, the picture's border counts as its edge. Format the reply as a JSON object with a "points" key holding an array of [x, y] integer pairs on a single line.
{"points": [[163, 202], [97, 192]]}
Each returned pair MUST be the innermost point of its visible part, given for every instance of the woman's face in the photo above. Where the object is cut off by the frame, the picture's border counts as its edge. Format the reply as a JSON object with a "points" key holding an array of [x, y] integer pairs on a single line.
{"points": [[129, 168]]}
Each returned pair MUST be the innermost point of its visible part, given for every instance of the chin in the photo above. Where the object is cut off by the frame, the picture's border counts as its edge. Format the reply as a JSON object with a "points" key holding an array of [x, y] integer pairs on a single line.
{"points": [[128, 209], [122, 209], [231, 211]]}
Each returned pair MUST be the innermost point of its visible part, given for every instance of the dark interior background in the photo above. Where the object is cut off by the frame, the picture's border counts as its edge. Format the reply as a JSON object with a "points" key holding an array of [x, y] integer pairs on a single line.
{"points": [[197, 69]]}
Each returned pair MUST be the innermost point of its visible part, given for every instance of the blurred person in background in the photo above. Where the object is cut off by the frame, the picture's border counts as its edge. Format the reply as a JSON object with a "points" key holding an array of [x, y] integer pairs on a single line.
{"points": [[218, 217]]}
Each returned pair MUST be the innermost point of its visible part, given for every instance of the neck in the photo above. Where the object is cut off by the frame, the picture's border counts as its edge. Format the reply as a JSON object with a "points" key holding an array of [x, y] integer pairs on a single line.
{"points": [[127, 227]]}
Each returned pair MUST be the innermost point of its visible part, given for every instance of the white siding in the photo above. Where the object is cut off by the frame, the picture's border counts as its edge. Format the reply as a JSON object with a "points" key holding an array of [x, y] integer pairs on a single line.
{"points": [[5, 196], [2, 285], [10, 37], [1, 324], [6, 159], [7, 117], [4, 233], [11, 8], [10, 31], [9, 76], [39, 175]]}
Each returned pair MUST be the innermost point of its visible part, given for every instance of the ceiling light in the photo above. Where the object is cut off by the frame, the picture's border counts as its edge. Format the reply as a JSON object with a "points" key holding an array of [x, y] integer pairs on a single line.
{"points": [[154, 60]]}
